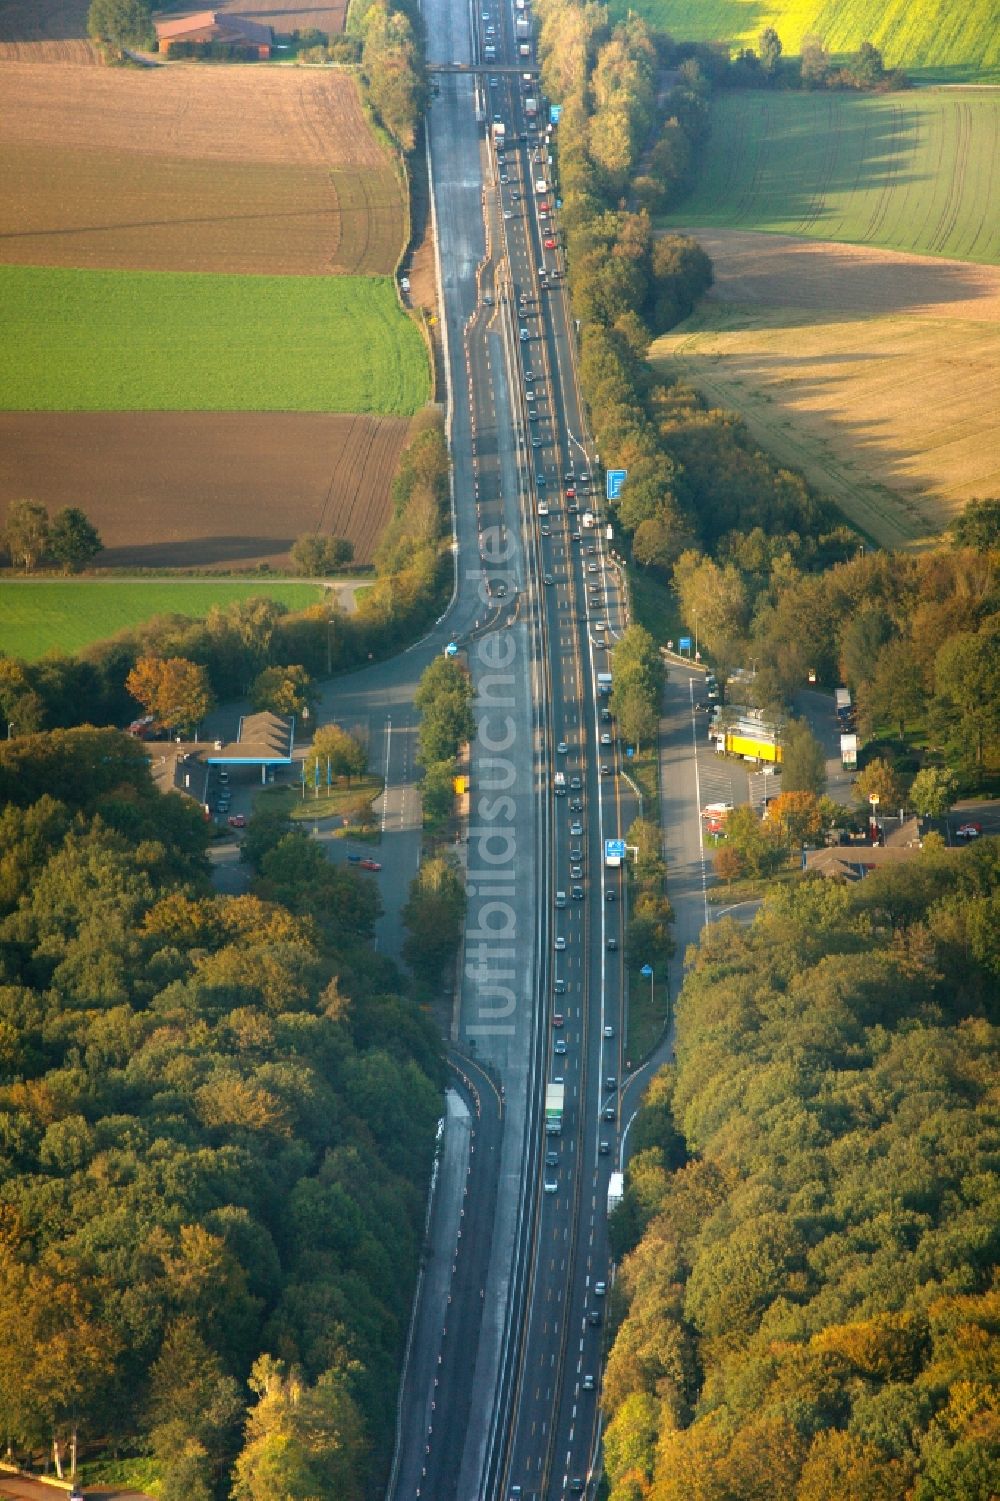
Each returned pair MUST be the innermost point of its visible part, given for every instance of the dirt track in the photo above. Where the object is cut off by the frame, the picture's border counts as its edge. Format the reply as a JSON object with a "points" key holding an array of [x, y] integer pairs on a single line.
{"points": [[203, 489]]}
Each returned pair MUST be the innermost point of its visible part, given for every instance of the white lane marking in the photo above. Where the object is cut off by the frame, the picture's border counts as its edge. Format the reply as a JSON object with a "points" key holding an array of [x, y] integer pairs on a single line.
{"points": [[697, 793]]}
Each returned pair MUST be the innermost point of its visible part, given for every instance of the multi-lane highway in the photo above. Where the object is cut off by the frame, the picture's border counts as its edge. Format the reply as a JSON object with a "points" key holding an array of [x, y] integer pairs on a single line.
{"points": [[542, 992]]}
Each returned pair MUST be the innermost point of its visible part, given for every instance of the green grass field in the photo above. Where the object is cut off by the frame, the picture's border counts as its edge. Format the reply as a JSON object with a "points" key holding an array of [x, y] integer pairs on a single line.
{"points": [[160, 341], [917, 172], [36, 618], [951, 41]]}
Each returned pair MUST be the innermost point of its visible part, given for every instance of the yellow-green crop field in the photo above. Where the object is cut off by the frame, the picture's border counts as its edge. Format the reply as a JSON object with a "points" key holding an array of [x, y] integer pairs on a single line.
{"points": [[918, 172], [951, 41]]}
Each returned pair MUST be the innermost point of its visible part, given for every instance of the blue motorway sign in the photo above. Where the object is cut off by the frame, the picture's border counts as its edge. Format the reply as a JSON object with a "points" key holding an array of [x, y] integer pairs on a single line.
{"points": [[614, 849], [555, 110], [451, 650], [615, 479], [684, 644], [646, 971]]}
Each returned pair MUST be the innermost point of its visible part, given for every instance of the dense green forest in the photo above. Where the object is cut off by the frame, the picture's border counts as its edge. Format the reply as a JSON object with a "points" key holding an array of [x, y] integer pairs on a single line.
{"points": [[217, 1118], [806, 1303]]}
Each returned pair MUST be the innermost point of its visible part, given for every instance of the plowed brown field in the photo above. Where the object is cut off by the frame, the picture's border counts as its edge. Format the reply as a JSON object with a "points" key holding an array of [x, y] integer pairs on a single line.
{"points": [[217, 170], [291, 17], [206, 489]]}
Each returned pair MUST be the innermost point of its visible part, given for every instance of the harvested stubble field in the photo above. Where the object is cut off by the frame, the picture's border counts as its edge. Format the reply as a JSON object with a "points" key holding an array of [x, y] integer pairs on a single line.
{"points": [[916, 172], [876, 374], [39, 616], [238, 170], [55, 31], [204, 489], [951, 40]]}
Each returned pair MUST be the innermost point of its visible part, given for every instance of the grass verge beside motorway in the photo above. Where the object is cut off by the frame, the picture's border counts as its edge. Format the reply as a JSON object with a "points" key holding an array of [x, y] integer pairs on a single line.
{"points": [[64, 617], [164, 341], [340, 801]]}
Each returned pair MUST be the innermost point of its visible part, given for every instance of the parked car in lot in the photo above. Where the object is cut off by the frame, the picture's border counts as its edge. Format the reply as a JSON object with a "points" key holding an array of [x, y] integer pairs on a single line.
{"points": [[237, 820], [369, 864], [968, 831]]}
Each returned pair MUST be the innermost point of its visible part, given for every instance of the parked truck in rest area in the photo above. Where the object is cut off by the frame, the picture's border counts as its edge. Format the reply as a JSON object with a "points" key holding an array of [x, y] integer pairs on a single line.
{"points": [[499, 132], [559, 783], [524, 49], [522, 28], [745, 733], [849, 751], [554, 1095], [603, 684], [616, 1191], [531, 107]]}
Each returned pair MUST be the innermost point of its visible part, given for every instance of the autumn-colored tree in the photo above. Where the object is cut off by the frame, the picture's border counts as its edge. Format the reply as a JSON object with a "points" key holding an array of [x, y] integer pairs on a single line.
{"points": [[797, 815], [284, 690], [172, 689], [26, 534], [756, 844], [728, 863], [302, 1442], [336, 751], [880, 780]]}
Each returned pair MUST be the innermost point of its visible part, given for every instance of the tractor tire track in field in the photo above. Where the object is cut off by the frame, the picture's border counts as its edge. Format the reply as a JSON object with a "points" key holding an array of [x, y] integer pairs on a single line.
{"points": [[890, 183], [831, 157], [951, 204]]}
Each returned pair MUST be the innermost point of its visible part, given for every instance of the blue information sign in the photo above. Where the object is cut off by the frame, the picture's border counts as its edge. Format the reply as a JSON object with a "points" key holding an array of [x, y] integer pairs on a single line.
{"points": [[646, 971], [684, 644], [451, 650], [555, 110], [615, 479]]}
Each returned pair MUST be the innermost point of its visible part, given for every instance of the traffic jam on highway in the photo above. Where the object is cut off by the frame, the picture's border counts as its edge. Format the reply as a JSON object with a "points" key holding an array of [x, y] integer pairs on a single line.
{"points": [[554, 1449]]}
